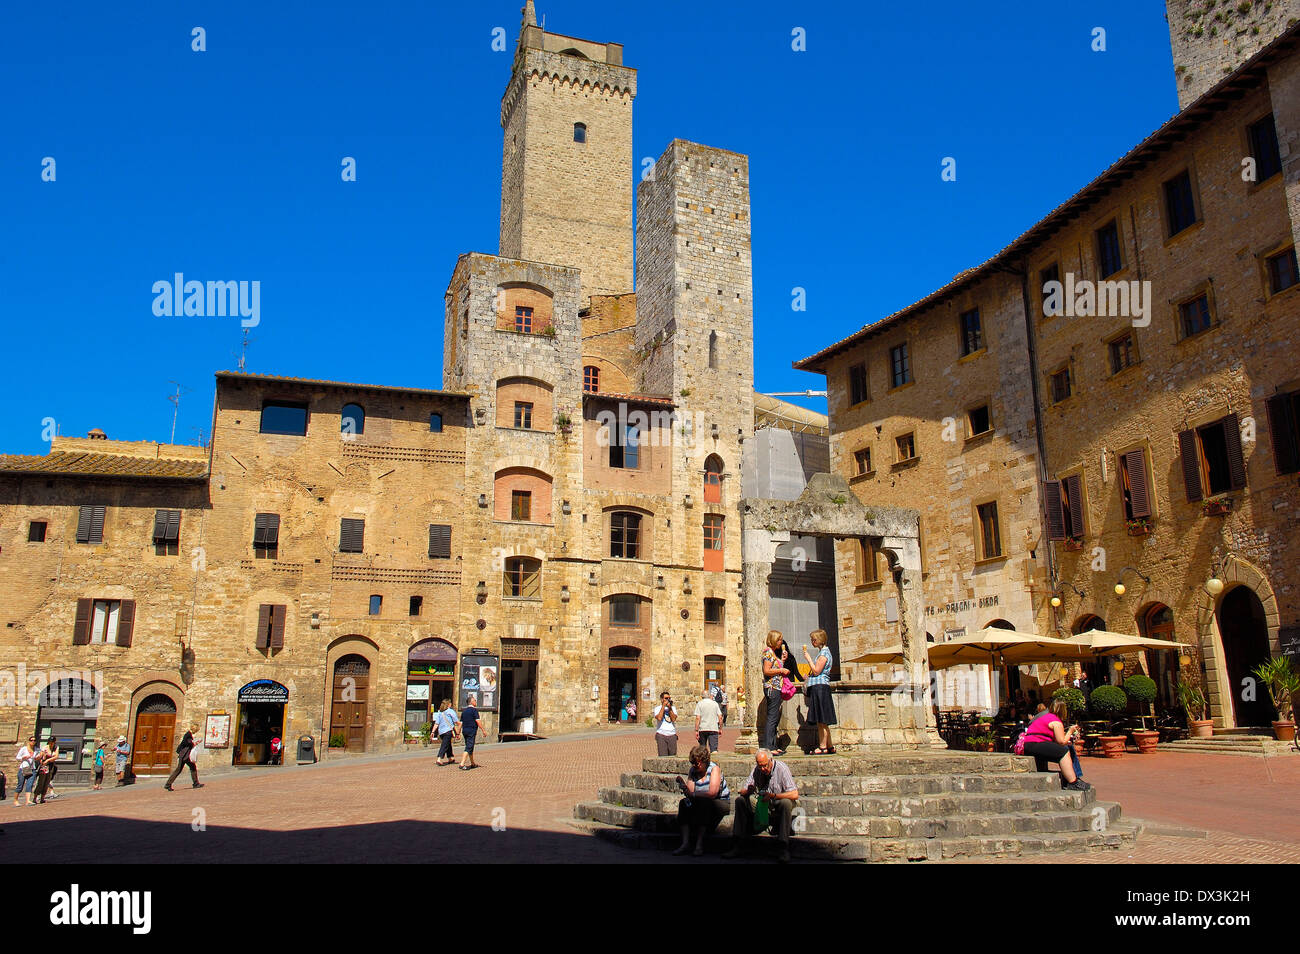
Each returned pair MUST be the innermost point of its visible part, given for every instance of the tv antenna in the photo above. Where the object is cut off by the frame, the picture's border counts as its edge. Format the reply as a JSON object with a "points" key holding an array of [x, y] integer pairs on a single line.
{"points": [[176, 406], [243, 350]]}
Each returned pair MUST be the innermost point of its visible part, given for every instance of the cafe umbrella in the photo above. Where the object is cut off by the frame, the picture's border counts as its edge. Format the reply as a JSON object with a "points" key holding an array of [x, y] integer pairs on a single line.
{"points": [[990, 646]]}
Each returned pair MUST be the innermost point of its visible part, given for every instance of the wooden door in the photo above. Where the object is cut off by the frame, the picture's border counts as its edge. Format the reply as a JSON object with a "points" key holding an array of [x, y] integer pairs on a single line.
{"points": [[350, 696], [151, 754]]}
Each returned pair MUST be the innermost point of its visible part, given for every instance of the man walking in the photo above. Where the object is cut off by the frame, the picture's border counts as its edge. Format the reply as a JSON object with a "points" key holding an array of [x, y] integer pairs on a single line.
{"points": [[708, 721], [721, 700], [777, 793], [470, 726], [186, 753]]}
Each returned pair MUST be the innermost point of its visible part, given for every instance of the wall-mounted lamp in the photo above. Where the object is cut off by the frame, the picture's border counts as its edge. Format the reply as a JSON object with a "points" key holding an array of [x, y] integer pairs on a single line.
{"points": [[714, 430], [1056, 596], [689, 501], [659, 582], [480, 592], [1119, 584], [482, 500], [591, 577], [1119, 665], [480, 416], [1184, 660], [565, 508], [564, 594], [686, 586], [315, 620]]}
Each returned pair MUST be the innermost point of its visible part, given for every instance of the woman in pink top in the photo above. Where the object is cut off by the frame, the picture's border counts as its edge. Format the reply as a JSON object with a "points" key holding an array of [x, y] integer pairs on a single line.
{"points": [[1047, 740]]}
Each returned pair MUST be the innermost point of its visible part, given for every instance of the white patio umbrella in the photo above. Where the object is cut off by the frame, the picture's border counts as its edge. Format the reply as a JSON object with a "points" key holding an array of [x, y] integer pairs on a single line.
{"points": [[989, 646], [1092, 644], [892, 656]]}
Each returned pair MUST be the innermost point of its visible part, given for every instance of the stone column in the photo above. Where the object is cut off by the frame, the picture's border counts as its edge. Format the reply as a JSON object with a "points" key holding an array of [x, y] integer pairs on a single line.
{"points": [[758, 552], [904, 554]]}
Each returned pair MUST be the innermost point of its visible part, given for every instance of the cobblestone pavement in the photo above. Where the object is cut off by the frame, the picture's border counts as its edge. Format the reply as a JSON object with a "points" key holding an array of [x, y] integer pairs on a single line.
{"points": [[1199, 809]]}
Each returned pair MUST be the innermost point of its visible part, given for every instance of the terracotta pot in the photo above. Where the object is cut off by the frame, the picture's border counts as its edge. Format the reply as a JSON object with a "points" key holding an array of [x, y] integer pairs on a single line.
{"points": [[1146, 740], [1201, 728], [1112, 746], [1284, 731]]}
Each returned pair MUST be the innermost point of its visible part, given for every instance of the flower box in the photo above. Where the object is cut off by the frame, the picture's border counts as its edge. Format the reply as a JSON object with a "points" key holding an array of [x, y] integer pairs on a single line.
{"points": [[1074, 543], [1140, 528], [1216, 508]]}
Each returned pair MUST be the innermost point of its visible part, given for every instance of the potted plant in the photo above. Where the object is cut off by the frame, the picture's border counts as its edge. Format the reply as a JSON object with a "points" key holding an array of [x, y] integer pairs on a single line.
{"points": [[426, 732], [1073, 543], [1142, 690], [1216, 506], [1192, 699], [1075, 700], [1283, 682], [1109, 702], [980, 742], [338, 741], [563, 423], [1140, 527]]}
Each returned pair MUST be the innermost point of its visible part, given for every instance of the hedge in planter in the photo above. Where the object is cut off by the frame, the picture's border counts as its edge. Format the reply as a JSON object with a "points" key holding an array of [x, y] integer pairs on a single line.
{"points": [[1108, 701], [1076, 702], [1142, 690]]}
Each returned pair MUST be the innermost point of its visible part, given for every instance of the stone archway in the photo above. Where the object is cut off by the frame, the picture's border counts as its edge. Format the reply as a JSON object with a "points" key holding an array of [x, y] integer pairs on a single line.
{"points": [[1214, 661], [875, 714]]}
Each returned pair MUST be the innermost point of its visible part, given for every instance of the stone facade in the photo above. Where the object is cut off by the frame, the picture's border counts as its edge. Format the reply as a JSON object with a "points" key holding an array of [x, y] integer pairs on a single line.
{"points": [[1210, 40]]}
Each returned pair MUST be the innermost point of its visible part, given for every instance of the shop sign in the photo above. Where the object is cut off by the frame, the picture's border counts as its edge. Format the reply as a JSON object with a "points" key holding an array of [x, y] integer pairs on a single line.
{"points": [[479, 673], [264, 690], [1288, 638], [216, 731], [961, 606], [417, 692]]}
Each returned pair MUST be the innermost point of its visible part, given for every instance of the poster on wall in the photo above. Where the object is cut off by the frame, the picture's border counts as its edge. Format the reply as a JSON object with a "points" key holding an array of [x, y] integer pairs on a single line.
{"points": [[216, 731], [479, 674]]}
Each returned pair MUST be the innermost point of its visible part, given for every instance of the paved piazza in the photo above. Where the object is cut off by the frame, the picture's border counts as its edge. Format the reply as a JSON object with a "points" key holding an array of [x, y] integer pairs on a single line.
{"points": [[1198, 809]]}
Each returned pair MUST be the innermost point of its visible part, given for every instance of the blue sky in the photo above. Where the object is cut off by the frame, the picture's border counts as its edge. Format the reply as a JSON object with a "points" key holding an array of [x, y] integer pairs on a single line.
{"points": [[225, 164]]}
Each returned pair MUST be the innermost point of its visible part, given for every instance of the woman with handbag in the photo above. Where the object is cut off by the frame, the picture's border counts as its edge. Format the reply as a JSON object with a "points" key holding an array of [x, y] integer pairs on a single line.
{"points": [[775, 679], [821, 708]]}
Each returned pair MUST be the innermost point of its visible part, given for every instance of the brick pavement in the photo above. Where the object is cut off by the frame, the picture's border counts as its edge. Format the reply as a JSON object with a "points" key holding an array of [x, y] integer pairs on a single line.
{"points": [[1203, 809]]}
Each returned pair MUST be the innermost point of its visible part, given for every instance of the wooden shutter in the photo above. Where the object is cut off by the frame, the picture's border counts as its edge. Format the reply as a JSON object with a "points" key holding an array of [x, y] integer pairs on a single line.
{"points": [[1055, 513], [532, 582], [277, 625], [1073, 487], [83, 524], [266, 530], [96, 524], [352, 536], [126, 622], [1139, 493], [1236, 460], [1282, 428], [173, 526], [159, 526], [1187, 448], [440, 540], [81, 628], [263, 625]]}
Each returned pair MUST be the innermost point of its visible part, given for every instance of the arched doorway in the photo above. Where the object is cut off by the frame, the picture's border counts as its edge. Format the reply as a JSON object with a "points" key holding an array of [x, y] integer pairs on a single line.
{"points": [[68, 712], [348, 701], [1096, 672], [155, 728], [713, 479], [430, 678], [624, 662], [1162, 665], [1244, 631]]}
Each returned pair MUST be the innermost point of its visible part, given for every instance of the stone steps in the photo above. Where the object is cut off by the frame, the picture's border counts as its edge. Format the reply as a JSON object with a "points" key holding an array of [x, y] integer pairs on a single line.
{"points": [[875, 784], [943, 761], [1256, 745]]}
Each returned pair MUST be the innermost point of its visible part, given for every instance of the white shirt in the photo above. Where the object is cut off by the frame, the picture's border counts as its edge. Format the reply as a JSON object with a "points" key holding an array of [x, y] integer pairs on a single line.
{"points": [[707, 711], [666, 727], [24, 759]]}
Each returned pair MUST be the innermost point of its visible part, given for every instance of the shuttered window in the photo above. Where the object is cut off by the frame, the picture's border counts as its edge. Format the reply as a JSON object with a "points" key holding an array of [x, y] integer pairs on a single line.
{"points": [[1180, 203], [266, 536], [352, 535], [1284, 427], [1212, 458], [1134, 484], [1264, 149], [166, 532], [1064, 505], [270, 625], [972, 332], [857, 384], [1110, 259], [523, 578], [440, 541], [990, 532], [104, 621], [90, 525], [868, 562]]}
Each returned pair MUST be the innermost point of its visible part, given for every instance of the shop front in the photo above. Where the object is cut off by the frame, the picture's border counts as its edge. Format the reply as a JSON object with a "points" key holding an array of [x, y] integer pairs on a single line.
{"points": [[260, 719], [519, 686], [69, 713], [430, 678]]}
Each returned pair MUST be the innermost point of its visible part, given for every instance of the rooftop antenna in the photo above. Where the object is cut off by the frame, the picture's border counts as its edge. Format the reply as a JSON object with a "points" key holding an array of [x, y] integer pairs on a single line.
{"points": [[203, 435], [176, 406], [794, 393], [243, 350]]}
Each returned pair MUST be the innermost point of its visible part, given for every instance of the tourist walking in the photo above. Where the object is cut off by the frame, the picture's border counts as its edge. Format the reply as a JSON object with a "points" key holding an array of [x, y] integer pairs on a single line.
{"points": [[186, 753], [445, 725], [705, 802], [98, 764], [52, 763], [26, 759], [776, 794], [1047, 740], [44, 758], [774, 670], [722, 702], [122, 751], [821, 708], [470, 725], [665, 717], [708, 721]]}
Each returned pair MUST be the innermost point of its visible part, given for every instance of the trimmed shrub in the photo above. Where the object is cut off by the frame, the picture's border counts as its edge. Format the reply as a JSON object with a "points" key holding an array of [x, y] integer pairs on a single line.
{"points": [[1141, 689], [1108, 701], [1074, 698]]}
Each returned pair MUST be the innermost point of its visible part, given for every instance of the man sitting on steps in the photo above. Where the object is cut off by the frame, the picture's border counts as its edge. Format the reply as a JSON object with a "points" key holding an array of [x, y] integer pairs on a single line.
{"points": [[777, 793]]}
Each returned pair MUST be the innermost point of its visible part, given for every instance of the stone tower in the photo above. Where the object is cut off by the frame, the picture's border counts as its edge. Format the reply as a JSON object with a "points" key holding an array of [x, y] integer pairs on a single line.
{"points": [[1210, 40], [566, 166]]}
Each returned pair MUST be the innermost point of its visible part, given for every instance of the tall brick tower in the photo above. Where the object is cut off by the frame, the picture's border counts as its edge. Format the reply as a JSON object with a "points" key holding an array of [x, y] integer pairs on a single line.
{"points": [[1210, 40], [566, 166]]}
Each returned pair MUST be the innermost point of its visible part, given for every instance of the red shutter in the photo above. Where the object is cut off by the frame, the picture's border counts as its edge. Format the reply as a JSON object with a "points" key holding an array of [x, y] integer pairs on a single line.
{"points": [[126, 623], [1191, 465], [81, 628], [1236, 461], [277, 626], [1074, 493], [1139, 494], [1282, 428], [263, 625], [1055, 515]]}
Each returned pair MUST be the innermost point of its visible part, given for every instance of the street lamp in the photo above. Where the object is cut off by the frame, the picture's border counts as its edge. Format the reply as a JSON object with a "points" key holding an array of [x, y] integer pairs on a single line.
{"points": [[1119, 584]]}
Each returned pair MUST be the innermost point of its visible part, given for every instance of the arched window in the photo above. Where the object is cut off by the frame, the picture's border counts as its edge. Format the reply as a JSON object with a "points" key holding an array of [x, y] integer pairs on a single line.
{"points": [[353, 420], [522, 579], [713, 479], [713, 349], [579, 132], [435, 423], [591, 379], [625, 535]]}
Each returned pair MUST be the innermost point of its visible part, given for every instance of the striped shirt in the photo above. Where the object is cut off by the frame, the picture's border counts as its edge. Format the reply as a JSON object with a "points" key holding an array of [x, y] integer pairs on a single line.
{"points": [[824, 679]]}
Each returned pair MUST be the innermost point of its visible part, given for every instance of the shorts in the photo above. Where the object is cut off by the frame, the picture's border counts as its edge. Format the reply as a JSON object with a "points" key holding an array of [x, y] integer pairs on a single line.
{"points": [[469, 744]]}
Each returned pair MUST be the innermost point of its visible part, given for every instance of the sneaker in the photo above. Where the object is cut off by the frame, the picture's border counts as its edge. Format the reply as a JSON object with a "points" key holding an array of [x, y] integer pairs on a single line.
{"points": [[197, 785], [1078, 785]]}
